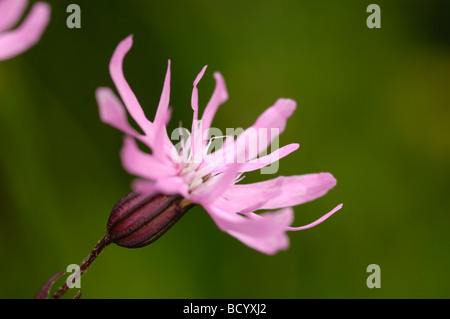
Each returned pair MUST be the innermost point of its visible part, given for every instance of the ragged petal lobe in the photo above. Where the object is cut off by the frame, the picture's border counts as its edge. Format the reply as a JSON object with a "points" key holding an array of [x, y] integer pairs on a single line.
{"points": [[27, 34]]}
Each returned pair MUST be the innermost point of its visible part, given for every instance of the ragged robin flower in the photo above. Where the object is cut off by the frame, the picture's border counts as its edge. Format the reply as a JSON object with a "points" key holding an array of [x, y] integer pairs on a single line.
{"points": [[197, 177], [173, 179]]}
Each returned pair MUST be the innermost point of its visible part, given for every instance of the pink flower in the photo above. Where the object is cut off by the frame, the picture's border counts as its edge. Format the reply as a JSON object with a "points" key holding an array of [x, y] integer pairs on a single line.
{"points": [[202, 179], [28, 33]]}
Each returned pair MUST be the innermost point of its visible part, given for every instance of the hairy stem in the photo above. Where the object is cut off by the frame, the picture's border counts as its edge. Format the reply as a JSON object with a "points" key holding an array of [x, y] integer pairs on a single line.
{"points": [[101, 245]]}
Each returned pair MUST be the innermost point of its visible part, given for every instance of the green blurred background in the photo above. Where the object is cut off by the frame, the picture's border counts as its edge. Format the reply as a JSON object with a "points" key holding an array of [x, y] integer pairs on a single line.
{"points": [[373, 109]]}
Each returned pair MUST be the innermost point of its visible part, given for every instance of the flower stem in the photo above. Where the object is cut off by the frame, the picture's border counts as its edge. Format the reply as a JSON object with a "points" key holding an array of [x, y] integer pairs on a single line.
{"points": [[101, 245]]}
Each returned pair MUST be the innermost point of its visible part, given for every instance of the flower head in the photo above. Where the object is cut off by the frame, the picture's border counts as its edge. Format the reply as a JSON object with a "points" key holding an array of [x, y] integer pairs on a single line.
{"points": [[211, 179], [28, 33]]}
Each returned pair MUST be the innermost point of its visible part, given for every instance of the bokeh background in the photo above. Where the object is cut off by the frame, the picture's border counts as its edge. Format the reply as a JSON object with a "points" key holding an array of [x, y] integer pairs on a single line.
{"points": [[373, 109]]}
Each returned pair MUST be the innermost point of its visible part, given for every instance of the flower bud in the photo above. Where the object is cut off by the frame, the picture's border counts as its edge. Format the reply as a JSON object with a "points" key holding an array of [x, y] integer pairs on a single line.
{"points": [[139, 219]]}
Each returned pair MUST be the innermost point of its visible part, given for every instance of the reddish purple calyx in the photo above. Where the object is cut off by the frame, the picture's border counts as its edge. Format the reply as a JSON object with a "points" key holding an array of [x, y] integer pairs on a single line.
{"points": [[139, 219]]}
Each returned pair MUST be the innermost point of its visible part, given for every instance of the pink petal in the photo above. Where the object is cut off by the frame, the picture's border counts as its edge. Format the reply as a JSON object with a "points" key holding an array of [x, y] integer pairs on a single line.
{"points": [[168, 115], [264, 232], [162, 147], [156, 135], [142, 164], [219, 96], [294, 190], [163, 106], [196, 136], [210, 190], [125, 92], [260, 135], [194, 98], [262, 161], [217, 160], [10, 12], [252, 201], [27, 34], [169, 186], [144, 186], [159, 141], [318, 221], [272, 119], [112, 111]]}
